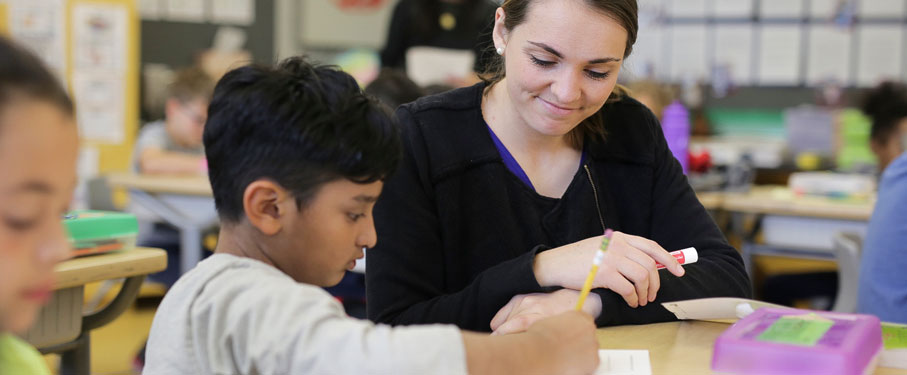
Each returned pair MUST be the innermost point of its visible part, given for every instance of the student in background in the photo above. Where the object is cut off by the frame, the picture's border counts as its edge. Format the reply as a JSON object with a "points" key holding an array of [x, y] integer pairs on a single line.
{"points": [[883, 284], [452, 24], [297, 155], [506, 189], [393, 87], [38, 152], [174, 144]]}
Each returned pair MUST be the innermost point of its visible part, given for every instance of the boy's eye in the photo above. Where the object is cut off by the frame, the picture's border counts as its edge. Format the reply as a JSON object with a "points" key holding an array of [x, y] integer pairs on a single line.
{"points": [[540, 62], [355, 216]]}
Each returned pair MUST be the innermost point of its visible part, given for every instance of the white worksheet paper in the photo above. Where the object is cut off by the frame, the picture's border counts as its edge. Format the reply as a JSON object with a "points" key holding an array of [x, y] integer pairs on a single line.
{"points": [[623, 362]]}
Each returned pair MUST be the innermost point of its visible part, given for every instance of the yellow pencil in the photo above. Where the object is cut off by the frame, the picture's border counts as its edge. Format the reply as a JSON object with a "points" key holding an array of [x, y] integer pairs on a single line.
{"points": [[597, 261]]}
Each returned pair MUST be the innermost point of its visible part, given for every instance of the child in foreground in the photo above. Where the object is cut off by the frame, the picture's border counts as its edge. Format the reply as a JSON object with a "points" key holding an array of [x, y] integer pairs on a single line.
{"points": [[297, 156], [38, 152]]}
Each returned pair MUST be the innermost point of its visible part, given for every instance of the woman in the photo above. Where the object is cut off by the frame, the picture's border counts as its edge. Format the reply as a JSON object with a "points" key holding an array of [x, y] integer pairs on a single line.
{"points": [[38, 144], [506, 188]]}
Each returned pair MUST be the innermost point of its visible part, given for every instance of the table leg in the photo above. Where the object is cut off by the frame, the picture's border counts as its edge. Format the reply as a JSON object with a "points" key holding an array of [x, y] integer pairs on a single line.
{"points": [[190, 248]]}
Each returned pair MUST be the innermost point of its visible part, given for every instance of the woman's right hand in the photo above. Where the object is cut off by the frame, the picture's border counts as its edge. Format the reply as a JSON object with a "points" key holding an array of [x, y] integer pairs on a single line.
{"points": [[628, 267]]}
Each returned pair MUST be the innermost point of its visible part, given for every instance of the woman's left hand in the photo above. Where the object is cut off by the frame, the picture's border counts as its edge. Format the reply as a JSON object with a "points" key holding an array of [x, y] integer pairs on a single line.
{"points": [[524, 309]]}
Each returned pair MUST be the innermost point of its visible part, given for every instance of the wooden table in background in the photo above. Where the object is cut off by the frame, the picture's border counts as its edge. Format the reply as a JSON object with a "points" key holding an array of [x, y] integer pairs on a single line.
{"points": [[61, 326], [186, 202]]}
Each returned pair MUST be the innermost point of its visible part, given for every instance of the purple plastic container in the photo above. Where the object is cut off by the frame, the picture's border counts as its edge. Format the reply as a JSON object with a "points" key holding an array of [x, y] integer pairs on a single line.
{"points": [[675, 124], [793, 341]]}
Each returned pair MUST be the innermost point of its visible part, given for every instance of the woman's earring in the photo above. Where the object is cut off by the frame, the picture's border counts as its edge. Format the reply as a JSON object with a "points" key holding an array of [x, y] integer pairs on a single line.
{"points": [[500, 50]]}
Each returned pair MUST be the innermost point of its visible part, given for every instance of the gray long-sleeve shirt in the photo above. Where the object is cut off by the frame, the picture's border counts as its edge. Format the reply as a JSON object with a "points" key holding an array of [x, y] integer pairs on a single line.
{"points": [[234, 315]]}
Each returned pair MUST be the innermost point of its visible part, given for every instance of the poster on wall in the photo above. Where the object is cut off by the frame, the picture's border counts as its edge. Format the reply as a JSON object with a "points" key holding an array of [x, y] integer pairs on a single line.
{"points": [[39, 26], [100, 101], [233, 12], [345, 23], [99, 48], [100, 37]]}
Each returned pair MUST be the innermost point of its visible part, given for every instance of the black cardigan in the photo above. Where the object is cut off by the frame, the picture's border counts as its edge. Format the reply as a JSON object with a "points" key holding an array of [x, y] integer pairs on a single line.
{"points": [[458, 232]]}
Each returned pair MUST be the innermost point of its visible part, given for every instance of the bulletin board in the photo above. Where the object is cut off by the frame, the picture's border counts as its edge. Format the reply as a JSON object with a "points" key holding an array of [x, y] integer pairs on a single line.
{"points": [[92, 45], [345, 23], [771, 43]]}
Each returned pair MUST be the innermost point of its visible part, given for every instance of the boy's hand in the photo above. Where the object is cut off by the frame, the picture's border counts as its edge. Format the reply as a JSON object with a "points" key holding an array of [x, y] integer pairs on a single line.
{"points": [[566, 343]]}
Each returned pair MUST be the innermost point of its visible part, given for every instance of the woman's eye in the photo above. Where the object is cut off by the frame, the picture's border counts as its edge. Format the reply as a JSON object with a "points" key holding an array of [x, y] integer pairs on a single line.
{"points": [[597, 75], [542, 63]]}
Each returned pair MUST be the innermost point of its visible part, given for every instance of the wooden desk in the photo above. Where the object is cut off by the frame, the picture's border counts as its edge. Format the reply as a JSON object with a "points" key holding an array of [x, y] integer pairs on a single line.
{"points": [[182, 201], [115, 265], [184, 185], [61, 326], [711, 200], [779, 200], [676, 347]]}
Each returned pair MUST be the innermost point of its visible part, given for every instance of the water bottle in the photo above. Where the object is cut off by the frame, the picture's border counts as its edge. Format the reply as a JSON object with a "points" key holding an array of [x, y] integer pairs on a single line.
{"points": [[676, 127]]}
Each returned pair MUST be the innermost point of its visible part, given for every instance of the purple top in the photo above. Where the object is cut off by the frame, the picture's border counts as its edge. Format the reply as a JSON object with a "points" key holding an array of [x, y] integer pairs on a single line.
{"points": [[511, 162]]}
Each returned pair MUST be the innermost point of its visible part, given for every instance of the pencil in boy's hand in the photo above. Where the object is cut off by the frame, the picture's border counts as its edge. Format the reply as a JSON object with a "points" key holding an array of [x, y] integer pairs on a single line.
{"points": [[597, 261]]}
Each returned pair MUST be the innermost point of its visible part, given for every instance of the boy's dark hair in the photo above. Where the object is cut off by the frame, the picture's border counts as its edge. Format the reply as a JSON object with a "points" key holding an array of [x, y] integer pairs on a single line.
{"points": [[22, 74], [190, 84], [297, 124], [886, 105]]}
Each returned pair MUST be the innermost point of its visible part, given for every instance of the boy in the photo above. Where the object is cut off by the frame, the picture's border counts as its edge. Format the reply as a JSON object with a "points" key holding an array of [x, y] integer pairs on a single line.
{"points": [[297, 157], [174, 145]]}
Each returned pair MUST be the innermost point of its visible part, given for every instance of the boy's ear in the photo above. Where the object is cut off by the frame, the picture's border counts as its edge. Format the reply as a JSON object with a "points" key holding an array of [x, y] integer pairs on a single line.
{"points": [[262, 204]]}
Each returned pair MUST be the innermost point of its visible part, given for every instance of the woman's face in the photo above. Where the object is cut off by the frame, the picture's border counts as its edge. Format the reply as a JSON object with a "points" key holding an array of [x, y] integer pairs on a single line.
{"points": [[561, 63], [38, 149]]}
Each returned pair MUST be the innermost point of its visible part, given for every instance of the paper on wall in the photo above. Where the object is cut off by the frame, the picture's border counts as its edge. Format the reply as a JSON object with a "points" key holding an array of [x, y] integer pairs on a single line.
{"points": [[186, 10], [101, 114], [38, 25], [236, 12], [100, 37]]}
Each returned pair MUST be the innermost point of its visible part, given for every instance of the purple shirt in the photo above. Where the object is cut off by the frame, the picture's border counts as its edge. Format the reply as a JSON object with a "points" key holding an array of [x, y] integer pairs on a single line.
{"points": [[511, 162]]}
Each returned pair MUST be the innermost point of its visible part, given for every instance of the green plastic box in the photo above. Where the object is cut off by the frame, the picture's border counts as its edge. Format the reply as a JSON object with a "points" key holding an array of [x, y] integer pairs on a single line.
{"points": [[94, 232]]}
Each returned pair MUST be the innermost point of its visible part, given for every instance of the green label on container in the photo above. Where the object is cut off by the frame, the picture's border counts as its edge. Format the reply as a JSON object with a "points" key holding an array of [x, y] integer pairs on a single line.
{"points": [[894, 336], [796, 330]]}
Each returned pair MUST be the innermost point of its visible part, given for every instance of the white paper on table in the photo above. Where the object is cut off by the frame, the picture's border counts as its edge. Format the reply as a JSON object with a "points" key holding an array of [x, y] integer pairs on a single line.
{"points": [[823, 9], [431, 65], [99, 98], [623, 362], [733, 49], [689, 54], [237, 12], [715, 309], [687, 8], [150, 9], [881, 51], [781, 8], [881, 9], [779, 54], [186, 10], [39, 26], [100, 42], [732, 8], [828, 58]]}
